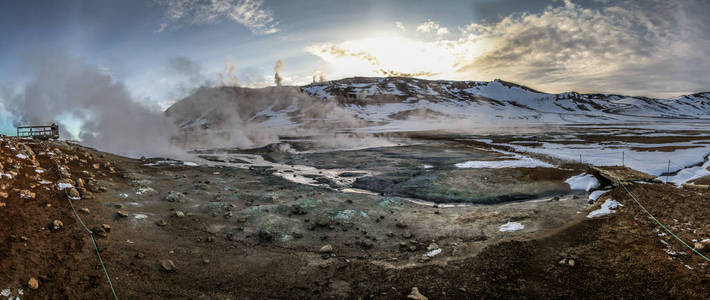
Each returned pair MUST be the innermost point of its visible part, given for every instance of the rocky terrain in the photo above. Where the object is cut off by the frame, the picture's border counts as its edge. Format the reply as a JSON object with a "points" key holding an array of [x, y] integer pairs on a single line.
{"points": [[179, 229], [369, 188]]}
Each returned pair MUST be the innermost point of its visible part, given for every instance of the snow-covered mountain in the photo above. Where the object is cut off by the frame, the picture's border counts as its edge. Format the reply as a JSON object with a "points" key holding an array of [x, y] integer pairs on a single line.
{"points": [[390, 97], [381, 102]]}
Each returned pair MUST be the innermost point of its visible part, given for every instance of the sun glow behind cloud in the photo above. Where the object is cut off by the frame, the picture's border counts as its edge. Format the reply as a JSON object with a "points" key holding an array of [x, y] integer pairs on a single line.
{"points": [[391, 55], [624, 47]]}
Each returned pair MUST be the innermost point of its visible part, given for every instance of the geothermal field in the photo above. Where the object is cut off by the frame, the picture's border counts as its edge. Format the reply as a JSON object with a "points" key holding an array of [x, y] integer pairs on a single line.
{"points": [[369, 188]]}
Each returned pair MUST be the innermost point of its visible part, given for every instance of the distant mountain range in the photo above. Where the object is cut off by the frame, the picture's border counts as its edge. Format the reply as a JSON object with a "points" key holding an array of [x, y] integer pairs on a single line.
{"points": [[377, 101]]}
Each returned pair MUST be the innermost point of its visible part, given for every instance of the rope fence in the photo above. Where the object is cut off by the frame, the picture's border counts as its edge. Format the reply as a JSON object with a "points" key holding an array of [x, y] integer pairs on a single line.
{"points": [[93, 241], [659, 222]]}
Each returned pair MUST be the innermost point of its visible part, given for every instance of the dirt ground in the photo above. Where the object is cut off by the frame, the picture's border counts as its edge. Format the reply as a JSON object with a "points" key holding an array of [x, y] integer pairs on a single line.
{"points": [[245, 234]]}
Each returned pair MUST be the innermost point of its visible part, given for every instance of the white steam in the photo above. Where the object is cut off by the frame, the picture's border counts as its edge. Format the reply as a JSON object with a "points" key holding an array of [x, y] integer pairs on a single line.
{"points": [[278, 67], [63, 87]]}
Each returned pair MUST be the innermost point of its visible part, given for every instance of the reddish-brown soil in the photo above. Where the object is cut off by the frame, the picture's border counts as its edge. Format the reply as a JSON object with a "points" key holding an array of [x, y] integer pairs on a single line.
{"points": [[617, 256]]}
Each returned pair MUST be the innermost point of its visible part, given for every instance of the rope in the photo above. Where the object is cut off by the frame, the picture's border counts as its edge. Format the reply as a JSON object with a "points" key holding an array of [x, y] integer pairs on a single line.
{"points": [[659, 222], [93, 241]]}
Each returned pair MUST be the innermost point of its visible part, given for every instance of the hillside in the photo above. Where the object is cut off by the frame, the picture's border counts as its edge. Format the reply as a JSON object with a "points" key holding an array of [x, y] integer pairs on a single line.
{"points": [[363, 101]]}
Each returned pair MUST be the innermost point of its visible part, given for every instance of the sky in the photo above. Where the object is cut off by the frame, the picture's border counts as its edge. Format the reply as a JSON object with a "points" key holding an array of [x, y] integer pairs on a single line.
{"points": [[161, 50]]}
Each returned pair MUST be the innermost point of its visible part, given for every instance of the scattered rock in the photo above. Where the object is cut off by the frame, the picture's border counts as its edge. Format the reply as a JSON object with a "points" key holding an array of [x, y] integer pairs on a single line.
{"points": [[140, 255], [174, 196], [327, 249], [432, 246], [699, 246], [122, 214], [57, 225], [99, 231], [106, 227], [179, 214], [84, 210], [161, 222], [416, 295], [366, 244], [567, 262], [74, 193], [3, 204], [33, 283], [407, 235], [168, 265]]}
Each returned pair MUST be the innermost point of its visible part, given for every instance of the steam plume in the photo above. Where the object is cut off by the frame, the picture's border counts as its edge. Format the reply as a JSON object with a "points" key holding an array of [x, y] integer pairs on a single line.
{"points": [[227, 77], [277, 72], [109, 118]]}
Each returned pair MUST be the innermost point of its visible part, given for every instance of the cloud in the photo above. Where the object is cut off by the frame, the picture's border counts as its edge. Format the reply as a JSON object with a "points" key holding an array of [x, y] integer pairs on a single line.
{"points": [[653, 48], [400, 26], [339, 53], [623, 47], [250, 13], [433, 27]]}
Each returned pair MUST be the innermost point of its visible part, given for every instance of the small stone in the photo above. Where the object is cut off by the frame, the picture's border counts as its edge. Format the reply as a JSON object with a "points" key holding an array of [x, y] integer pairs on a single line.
{"points": [[570, 262], [327, 249], [432, 246], [4, 195], [401, 225], [140, 255], [416, 295], [3, 204], [57, 225], [33, 283], [407, 235], [366, 244], [99, 231], [167, 265], [179, 214], [699, 246], [84, 210], [122, 214], [206, 261], [161, 222], [106, 227], [74, 193], [562, 262]]}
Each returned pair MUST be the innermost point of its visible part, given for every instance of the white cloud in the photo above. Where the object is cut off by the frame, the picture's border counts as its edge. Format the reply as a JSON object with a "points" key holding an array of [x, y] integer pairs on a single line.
{"points": [[431, 26], [250, 13], [400, 26]]}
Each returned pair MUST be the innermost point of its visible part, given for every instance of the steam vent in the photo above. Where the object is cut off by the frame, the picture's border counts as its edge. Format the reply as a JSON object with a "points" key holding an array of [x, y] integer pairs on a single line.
{"points": [[262, 149]]}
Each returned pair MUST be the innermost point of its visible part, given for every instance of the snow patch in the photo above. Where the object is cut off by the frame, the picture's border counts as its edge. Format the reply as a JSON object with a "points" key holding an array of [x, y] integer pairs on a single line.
{"points": [[433, 253], [64, 185], [596, 194], [583, 181], [607, 208], [510, 227]]}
